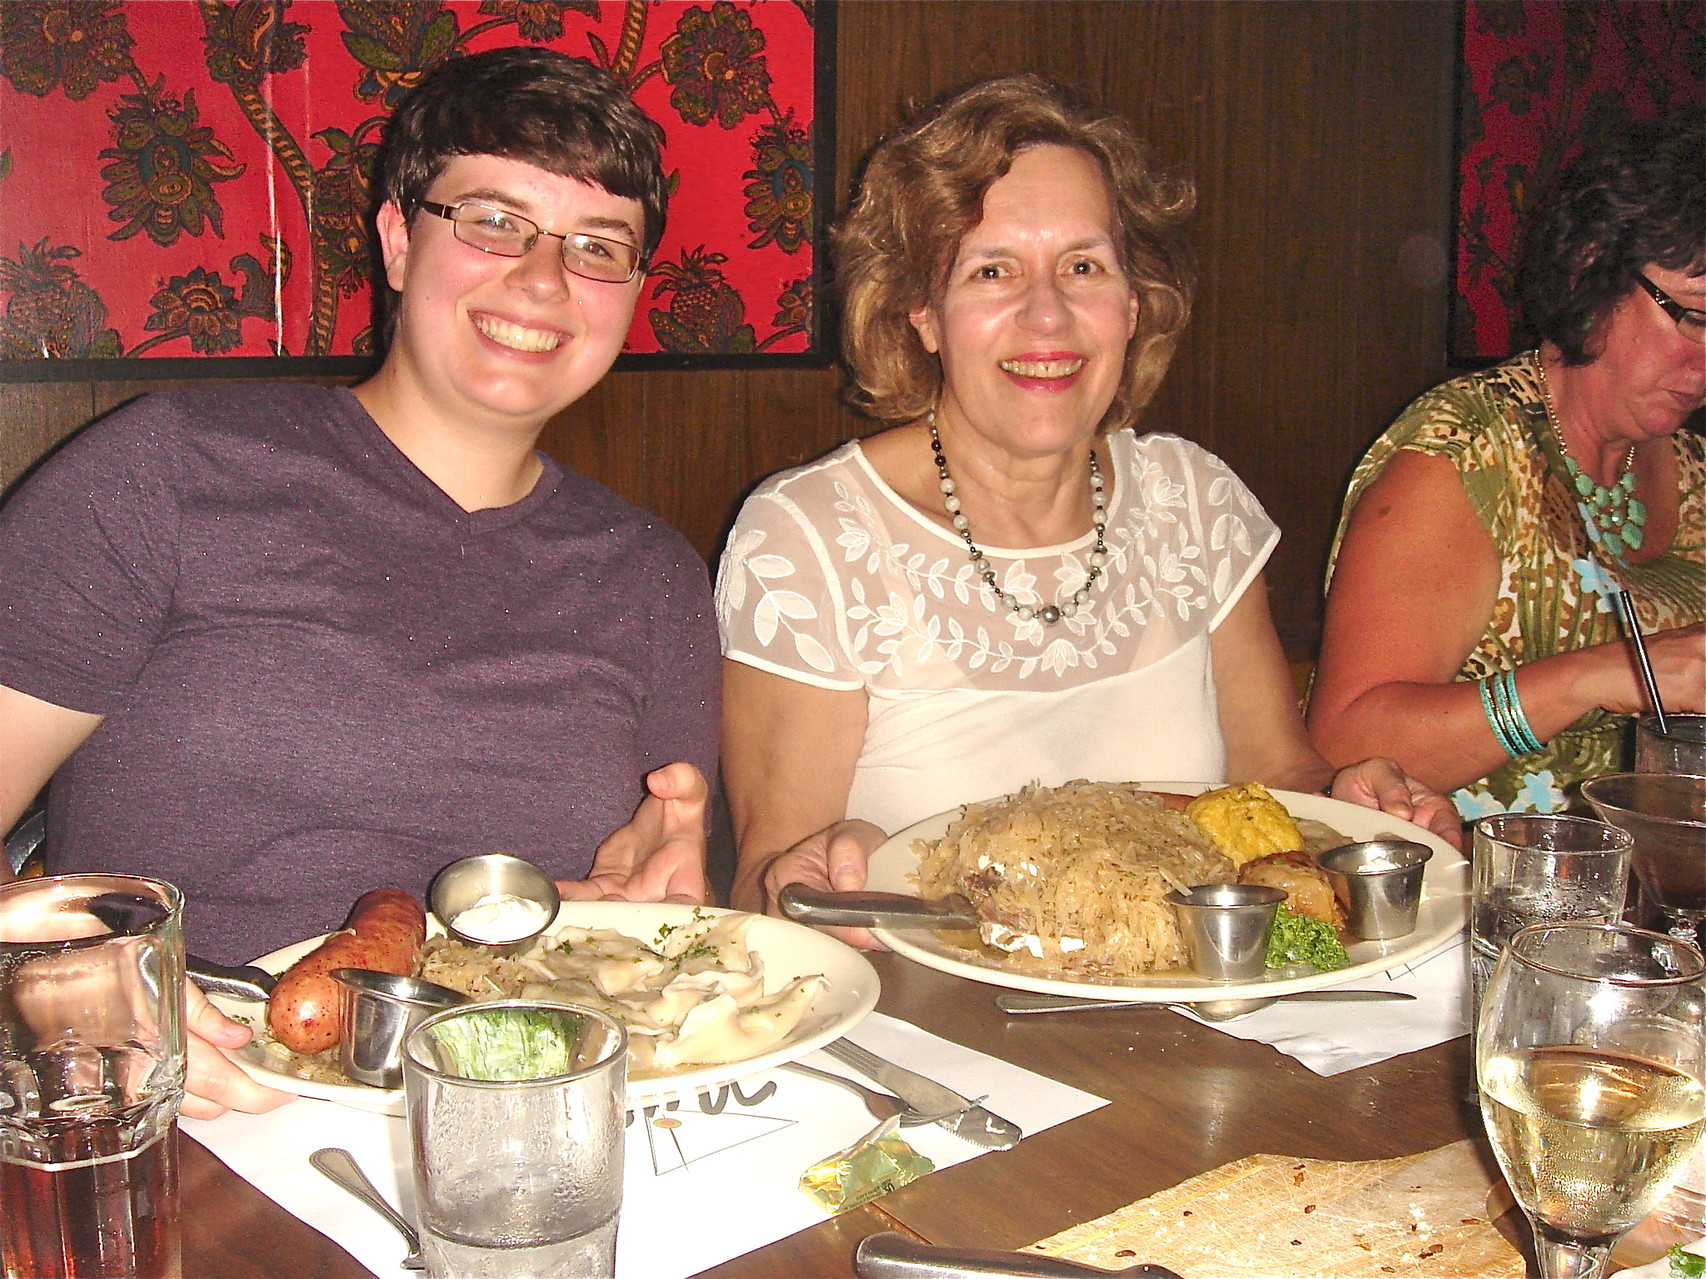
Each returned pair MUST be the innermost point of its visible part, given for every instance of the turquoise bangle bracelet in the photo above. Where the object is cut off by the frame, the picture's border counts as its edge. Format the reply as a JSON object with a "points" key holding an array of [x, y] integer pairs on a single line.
{"points": [[1494, 720], [1522, 732], [1503, 709]]}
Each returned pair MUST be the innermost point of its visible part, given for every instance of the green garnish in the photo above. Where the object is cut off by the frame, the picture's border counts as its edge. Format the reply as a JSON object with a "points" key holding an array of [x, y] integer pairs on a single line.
{"points": [[511, 1043], [1297, 940], [1686, 1265], [698, 950]]}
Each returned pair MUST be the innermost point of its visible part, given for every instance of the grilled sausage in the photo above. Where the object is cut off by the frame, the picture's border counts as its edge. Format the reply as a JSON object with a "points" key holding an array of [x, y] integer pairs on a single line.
{"points": [[384, 932]]}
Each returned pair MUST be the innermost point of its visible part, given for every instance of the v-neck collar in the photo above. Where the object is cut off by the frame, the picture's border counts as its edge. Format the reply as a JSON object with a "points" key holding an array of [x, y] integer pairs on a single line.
{"points": [[467, 523]]}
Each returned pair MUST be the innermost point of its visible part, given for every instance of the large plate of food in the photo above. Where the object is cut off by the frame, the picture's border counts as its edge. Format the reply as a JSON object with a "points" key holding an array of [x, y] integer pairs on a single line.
{"points": [[708, 995], [1071, 883]]}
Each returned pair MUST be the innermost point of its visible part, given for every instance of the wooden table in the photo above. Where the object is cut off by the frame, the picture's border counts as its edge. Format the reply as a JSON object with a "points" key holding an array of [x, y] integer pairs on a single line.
{"points": [[1185, 1098]]}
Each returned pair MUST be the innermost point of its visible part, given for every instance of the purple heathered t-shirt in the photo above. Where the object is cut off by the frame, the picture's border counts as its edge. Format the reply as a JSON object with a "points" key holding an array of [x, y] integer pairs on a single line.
{"points": [[320, 675]]}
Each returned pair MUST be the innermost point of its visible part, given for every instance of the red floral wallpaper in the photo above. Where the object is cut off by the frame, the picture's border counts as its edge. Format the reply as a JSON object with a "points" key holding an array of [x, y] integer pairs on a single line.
{"points": [[1537, 77], [190, 178]]}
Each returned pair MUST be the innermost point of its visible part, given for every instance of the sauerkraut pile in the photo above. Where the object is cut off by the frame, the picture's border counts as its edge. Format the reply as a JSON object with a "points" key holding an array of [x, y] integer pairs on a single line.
{"points": [[1073, 880], [1075, 877]]}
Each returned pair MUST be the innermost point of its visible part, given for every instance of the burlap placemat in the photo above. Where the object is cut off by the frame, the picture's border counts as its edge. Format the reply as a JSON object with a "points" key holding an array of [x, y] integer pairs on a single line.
{"points": [[1276, 1217]]}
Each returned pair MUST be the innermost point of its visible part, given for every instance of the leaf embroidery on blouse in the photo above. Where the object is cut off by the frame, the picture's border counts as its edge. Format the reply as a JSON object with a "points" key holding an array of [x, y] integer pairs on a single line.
{"points": [[899, 595]]}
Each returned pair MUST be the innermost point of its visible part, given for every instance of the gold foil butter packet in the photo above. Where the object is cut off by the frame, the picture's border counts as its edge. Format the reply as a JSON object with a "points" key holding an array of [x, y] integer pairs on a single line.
{"points": [[877, 1163]]}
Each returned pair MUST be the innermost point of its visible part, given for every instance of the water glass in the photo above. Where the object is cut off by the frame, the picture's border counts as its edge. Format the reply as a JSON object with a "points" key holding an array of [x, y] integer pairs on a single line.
{"points": [[91, 1077], [1590, 1057], [1532, 868], [516, 1112], [1681, 748]]}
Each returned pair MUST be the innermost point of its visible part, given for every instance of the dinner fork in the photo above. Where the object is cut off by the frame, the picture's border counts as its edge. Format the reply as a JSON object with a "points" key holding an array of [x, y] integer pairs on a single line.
{"points": [[967, 1118], [880, 1104]]}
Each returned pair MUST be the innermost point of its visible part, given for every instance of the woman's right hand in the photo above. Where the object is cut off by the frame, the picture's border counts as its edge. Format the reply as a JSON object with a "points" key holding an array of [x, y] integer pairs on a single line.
{"points": [[789, 753], [835, 858], [1678, 658]]}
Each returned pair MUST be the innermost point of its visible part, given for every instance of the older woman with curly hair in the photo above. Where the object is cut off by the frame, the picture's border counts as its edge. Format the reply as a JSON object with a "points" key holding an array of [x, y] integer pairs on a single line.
{"points": [[1470, 629], [1008, 584]]}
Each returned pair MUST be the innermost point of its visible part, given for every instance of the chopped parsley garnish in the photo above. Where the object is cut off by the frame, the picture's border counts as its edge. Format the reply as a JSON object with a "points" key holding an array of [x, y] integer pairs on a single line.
{"points": [[1686, 1265], [1295, 939], [700, 949]]}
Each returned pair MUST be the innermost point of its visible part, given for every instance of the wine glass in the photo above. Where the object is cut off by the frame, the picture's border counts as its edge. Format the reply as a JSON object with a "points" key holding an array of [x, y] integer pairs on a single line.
{"points": [[1590, 1056], [1666, 813]]}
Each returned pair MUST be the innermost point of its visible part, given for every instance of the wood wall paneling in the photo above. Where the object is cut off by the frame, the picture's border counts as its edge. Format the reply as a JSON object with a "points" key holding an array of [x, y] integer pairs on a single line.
{"points": [[1319, 137]]}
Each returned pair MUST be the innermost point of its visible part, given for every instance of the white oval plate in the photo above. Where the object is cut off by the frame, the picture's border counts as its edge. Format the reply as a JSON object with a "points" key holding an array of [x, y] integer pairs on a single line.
{"points": [[1444, 912], [789, 951]]}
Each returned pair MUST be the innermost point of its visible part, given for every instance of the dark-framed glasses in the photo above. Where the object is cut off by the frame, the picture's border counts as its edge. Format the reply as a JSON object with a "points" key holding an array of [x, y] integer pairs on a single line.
{"points": [[1692, 323], [509, 235]]}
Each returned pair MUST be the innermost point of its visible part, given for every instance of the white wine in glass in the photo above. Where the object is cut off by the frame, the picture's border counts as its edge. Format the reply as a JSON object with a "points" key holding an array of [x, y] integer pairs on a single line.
{"points": [[1591, 1055]]}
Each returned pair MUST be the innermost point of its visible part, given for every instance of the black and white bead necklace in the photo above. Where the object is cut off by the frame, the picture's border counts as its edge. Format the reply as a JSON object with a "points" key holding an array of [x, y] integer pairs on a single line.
{"points": [[1048, 614]]}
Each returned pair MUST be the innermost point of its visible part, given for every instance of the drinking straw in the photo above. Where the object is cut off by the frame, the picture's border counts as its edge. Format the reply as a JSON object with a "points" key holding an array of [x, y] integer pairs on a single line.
{"points": [[1632, 624]]}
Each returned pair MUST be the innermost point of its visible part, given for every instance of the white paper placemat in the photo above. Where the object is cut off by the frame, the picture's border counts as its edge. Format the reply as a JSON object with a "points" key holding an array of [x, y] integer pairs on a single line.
{"points": [[1332, 1038], [717, 1177]]}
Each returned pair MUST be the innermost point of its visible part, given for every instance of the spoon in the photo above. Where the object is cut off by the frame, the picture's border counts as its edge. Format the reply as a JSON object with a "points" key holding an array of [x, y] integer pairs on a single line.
{"points": [[341, 1167], [1207, 1009]]}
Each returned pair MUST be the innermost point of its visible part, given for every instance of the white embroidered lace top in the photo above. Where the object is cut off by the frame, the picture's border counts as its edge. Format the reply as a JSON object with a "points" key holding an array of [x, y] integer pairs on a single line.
{"points": [[831, 578]]}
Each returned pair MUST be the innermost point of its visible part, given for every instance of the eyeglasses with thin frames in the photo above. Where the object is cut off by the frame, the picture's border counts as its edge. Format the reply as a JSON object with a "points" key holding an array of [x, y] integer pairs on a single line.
{"points": [[1691, 322], [509, 235]]}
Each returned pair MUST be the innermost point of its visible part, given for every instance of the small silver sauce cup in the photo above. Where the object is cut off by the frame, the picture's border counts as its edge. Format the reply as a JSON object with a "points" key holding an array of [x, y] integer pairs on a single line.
{"points": [[462, 883], [1379, 883], [1226, 928], [377, 1011]]}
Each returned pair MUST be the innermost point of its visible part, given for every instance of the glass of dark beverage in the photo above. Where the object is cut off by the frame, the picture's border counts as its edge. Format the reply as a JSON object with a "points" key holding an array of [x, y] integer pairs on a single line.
{"points": [[1666, 814], [91, 1077], [1679, 748]]}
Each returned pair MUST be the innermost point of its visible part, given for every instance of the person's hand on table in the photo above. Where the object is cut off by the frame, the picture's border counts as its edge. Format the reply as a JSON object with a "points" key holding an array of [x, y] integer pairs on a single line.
{"points": [[213, 1083], [837, 858], [1379, 783], [659, 856]]}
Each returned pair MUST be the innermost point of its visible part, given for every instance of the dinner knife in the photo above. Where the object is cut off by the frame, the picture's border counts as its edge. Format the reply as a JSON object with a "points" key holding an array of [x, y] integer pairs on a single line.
{"points": [[127, 913], [867, 908], [966, 1119], [890, 1255], [235, 981]]}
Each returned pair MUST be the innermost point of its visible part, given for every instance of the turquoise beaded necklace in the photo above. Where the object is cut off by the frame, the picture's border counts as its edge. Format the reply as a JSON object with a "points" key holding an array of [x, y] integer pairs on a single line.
{"points": [[1614, 517]]}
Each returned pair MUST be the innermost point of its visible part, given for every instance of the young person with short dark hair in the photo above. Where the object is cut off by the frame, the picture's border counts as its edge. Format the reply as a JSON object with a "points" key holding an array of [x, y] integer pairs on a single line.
{"points": [[282, 644]]}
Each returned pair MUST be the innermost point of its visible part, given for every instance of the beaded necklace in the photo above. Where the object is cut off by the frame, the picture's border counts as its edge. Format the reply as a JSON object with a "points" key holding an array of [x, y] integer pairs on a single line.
{"points": [[1047, 614], [1615, 518]]}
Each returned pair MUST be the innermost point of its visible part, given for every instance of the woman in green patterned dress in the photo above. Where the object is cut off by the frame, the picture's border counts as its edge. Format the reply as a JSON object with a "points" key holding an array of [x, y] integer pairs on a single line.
{"points": [[1471, 632]]}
